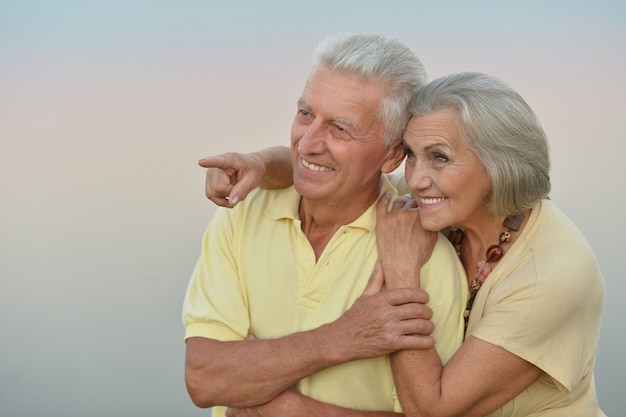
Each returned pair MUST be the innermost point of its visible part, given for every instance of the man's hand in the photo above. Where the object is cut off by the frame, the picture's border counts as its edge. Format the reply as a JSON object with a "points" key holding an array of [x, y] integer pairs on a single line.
{"points": [[231, 176], [383, 322]]}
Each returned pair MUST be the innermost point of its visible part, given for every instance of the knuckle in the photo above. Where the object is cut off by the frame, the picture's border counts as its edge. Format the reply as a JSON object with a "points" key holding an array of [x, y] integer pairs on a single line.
{"points": [[422, 311]]}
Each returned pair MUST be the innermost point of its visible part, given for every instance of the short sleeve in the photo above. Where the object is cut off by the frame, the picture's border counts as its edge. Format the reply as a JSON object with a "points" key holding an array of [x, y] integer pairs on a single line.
{"points": [[215, 304]]}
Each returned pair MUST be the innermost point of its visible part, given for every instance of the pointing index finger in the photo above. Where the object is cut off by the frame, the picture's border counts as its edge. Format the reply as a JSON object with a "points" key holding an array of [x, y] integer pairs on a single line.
{"points": [[210, 162]]}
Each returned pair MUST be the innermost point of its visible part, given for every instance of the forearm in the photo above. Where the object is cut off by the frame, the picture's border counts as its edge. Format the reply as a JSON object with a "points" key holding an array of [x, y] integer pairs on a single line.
{"points": [[417, 375], [403, 245], [278, 167], [476, 381], [312, 407], [252, 372], [291, 403]]}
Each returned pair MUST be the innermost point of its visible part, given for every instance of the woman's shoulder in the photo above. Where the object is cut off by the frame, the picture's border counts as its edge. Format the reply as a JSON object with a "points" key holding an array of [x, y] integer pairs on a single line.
{"points": [[551, 229], [557, 245]]}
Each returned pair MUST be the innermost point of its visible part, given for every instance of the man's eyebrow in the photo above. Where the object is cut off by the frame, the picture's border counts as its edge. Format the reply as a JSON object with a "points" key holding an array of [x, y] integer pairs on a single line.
{"points": [[303, 104], [343, 121]]}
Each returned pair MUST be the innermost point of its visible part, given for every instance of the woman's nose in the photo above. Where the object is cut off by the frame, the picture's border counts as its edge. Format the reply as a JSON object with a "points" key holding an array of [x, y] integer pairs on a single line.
{"points": [[417, 177]]}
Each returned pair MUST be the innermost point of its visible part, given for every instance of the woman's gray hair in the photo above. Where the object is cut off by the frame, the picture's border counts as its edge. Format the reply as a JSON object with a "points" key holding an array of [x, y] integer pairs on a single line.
{"points": [[500, 127], [378, 58]]}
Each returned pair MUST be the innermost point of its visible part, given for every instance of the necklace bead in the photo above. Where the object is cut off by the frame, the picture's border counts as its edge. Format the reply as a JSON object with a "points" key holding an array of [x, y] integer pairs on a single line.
{"points": [[493, 254]]}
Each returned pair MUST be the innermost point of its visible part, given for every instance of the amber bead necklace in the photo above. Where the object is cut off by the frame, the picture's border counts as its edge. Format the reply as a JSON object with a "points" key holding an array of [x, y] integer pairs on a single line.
{"points": [[493, 254]]}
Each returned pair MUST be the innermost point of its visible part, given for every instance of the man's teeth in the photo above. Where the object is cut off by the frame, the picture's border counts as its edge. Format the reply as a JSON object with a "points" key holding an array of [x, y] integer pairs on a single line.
{"points": [[314, 167]]}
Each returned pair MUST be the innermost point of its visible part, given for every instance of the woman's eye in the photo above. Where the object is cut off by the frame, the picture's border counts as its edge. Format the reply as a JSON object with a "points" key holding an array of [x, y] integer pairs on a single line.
{"points": [[440, 157], [409, 152]]}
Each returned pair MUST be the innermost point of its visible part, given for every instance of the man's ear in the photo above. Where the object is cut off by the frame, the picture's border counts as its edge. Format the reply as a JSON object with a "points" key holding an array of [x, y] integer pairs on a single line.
{"points": [[395, 156]]}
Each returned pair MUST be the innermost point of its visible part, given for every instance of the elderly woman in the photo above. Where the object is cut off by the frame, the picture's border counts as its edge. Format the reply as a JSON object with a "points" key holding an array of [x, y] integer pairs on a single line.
{"points": [[477, 166], [477, 161]]}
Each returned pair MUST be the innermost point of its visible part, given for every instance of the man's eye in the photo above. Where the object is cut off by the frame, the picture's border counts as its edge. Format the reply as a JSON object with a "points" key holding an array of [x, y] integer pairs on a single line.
{"points": [[341, 132]]}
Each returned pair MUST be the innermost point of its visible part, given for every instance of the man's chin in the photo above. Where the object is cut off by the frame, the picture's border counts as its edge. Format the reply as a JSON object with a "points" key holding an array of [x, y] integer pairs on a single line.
{"points": [[309, 191]]}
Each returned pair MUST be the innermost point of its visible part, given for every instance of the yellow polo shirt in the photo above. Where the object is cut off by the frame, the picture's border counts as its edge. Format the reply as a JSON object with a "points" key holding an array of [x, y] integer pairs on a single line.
{"points": [[257, 274]]}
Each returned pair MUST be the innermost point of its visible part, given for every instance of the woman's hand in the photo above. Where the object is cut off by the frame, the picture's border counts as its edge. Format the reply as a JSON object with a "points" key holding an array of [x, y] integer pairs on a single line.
{"points": [[403, 245], [231, 176]]}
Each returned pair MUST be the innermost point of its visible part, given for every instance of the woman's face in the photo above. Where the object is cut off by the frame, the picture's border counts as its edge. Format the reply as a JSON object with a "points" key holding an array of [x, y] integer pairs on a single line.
{"points": [[448, 180]]}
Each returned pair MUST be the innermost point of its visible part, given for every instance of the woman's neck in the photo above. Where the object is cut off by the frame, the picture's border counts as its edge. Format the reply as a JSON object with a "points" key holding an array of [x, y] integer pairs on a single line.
{"points": [[480, 236]]}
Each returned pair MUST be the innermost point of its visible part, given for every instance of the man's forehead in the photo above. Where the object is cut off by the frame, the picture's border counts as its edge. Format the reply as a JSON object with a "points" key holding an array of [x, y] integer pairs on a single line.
{"points": [[351, 102]]}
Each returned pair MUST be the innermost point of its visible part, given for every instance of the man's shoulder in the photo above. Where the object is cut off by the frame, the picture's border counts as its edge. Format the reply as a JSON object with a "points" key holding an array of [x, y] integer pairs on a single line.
{"points": [[271, 203], [264, 196]]}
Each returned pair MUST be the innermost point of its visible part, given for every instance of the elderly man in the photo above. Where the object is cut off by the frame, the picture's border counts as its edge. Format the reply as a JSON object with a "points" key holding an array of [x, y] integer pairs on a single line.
{"points": [[279, 311]]}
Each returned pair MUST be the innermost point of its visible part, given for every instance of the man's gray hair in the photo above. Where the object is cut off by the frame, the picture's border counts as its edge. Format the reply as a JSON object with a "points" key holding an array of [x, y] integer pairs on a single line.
{"points": [[382, 59]]}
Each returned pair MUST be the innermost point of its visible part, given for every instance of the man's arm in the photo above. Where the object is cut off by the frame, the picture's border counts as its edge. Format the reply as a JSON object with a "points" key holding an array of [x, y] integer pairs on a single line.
{"points": [[249, 373], [291, 403], [253, 372], [231, 176]]}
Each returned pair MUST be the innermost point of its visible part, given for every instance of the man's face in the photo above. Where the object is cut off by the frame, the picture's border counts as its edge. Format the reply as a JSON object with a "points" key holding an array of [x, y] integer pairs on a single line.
{"points": [[336, 138]]}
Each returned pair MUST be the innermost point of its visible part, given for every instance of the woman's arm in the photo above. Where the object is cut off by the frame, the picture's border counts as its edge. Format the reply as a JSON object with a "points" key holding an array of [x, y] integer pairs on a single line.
{"points": [[231, 176], [480, 377]]}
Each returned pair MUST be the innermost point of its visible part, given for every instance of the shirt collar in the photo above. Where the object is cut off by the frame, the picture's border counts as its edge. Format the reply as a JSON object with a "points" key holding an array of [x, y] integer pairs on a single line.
{"points": [[286, 207]]}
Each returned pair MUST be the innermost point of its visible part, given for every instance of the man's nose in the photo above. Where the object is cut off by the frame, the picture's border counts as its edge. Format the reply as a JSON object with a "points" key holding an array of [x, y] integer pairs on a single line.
{"points": [[313, 141]]}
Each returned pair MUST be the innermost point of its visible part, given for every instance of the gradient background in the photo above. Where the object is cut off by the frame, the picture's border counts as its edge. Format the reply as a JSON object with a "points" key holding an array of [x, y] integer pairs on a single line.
{"points": [[105, 108]]}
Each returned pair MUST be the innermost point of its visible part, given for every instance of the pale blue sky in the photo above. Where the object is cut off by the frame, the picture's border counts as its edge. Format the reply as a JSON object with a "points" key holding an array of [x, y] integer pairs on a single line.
{"points": [[106, 106], [75, 24]]}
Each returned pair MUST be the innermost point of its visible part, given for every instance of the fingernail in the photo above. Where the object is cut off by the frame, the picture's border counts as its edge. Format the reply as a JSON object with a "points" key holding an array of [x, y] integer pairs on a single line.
{"points": [[234, 200]]}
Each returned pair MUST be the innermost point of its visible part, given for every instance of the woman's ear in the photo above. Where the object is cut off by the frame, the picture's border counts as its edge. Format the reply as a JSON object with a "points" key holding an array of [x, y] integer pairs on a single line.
{"points": [[395, 156]]}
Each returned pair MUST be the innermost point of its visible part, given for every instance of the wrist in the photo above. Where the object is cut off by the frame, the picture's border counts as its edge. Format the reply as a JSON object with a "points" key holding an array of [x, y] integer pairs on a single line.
{"points": [[397, 276], [276, 166], [337, 343]]}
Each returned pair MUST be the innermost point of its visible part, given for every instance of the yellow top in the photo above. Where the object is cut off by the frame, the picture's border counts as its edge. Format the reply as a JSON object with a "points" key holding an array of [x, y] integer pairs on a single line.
{"points": [[543, 302], [257, 273]]}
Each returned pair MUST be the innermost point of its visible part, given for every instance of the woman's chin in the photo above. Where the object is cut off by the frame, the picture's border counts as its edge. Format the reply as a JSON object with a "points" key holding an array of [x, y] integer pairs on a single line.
{"points": [[432, 225]]}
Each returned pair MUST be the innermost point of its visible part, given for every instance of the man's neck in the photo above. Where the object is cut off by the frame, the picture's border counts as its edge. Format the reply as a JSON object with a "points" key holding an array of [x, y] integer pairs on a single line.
{"points": [[321, 220]]}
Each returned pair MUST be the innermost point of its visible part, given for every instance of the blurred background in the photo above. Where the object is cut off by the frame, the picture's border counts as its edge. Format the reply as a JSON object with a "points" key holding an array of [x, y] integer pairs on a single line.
{"points": [[106, 107]]}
